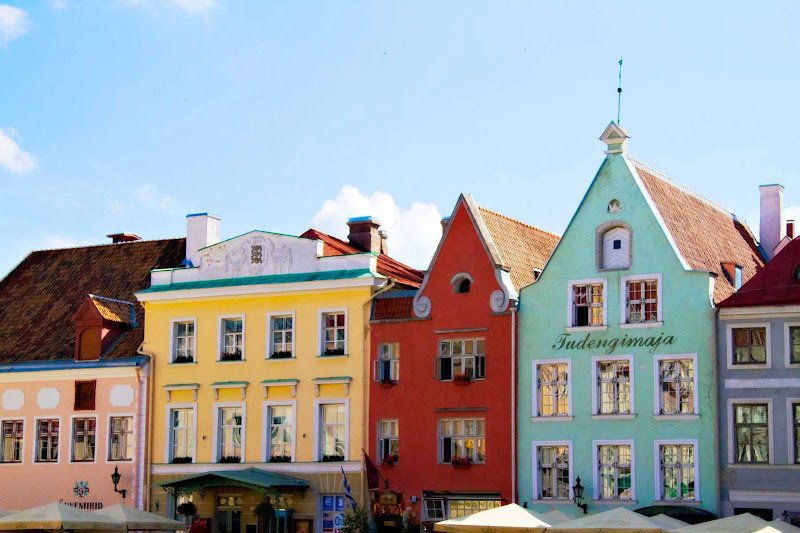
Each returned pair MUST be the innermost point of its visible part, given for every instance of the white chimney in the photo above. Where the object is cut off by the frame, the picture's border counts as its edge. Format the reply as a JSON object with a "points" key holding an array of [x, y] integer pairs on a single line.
{"points": [[202, 229], [771, 228]]}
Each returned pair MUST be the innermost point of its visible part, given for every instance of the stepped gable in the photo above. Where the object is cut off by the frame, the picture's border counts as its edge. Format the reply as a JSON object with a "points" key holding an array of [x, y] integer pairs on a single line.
{"points": [[778, 283], [391, 268], [524, 249], [705, 233], [39, 298]]}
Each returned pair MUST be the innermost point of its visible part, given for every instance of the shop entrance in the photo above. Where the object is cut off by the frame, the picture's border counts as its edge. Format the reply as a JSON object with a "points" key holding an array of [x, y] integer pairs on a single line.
{"points": [[229, 514]]}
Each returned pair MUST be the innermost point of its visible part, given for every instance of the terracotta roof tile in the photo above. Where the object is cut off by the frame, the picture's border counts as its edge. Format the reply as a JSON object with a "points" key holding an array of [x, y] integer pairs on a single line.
{"points": [[706, 234], [114, 310], [393, 308], [39, 298], [775, 284], [524, 249], [391, 268]]}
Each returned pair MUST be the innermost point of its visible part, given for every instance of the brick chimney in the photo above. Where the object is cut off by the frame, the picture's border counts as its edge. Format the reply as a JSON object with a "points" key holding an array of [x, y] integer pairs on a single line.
{"points": [[790, 229], [202, 229], [771, 226], [384, 247], [365, 233], [123, 237], [445, 222]]}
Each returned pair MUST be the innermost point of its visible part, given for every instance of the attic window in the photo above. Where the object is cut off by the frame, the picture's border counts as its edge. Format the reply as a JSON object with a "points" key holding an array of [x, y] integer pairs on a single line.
{"points": [[737, 281], [89, 344], [462, 282], [84, 395], [614, 206], [613, 246]]}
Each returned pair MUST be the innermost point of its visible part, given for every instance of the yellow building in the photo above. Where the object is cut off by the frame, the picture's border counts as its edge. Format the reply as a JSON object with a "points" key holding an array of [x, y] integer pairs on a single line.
{"points": [[261, 373]]}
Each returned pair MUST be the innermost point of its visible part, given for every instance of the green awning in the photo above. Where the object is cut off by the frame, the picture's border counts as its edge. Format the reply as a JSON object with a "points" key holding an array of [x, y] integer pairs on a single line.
{"points": [[250, 478]]}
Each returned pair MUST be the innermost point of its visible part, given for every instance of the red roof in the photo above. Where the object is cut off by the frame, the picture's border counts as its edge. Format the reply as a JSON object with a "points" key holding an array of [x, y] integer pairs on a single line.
{"points": [[393, 308], [776, 283], [391, 268]]}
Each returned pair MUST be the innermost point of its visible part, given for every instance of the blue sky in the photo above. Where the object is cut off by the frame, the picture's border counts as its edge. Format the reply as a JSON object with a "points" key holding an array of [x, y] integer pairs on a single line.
{"points": [[127, 115]]}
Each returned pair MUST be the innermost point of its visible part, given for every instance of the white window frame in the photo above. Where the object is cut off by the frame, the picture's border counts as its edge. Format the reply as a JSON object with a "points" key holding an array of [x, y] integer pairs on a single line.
{"points": [[221, 337], [426, 517], [657, 386], [596, 470], [658, 474], [97, 432], [132, 416], [25, 431], [729, 327], [173, 324], [463, 357], [35, 449], [215, 435], [596, 393], [623, 302], [318, 420], [570, 308], [787, 346], [463, 419], [732, 402], [266, 427], [395, 363], [378, 438], [168, 442], [535, 445], [278, 314], [321, 330], [535, 416], [793, 460]]}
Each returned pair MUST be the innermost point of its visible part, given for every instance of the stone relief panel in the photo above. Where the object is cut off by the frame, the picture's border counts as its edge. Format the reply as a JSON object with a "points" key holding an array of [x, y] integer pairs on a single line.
{"points": [[253, 255], [121, 395], [48, 398], [13, 400]]}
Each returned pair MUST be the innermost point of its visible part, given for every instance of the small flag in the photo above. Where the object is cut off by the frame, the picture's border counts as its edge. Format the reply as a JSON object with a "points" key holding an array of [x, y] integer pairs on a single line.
{"points": [[373, 475], [350, 499]]}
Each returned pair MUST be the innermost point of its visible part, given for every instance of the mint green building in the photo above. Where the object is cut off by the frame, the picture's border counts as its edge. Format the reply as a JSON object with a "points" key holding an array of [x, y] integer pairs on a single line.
{"points": [[617, 345]]}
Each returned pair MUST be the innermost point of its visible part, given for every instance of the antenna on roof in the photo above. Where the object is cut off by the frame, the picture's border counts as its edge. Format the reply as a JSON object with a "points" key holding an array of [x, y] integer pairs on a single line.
{"points": [[619, 90]]}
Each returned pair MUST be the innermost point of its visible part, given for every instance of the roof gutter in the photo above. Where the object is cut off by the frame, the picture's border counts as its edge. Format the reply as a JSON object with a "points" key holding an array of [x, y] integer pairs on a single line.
{"points": [[43, 366]]}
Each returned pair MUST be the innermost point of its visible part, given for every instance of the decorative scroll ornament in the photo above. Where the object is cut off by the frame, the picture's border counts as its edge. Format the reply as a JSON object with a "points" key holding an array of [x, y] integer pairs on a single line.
{"points": [[498, 301], [422, 307]]}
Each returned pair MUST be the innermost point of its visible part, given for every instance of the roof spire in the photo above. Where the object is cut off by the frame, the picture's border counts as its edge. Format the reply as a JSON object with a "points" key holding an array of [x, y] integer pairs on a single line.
{"points": [[619, 90]]}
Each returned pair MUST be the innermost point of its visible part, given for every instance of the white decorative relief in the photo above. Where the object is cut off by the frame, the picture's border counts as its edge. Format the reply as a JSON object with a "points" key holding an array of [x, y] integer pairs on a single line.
{"points": [[252, 255], [422, 306], [121, 395], [498, 301], [48, 398], [13, 400]]}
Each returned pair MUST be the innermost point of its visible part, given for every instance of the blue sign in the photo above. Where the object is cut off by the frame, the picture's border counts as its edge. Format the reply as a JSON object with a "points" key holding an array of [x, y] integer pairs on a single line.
{"points": [[327, 503], [340, 503]]}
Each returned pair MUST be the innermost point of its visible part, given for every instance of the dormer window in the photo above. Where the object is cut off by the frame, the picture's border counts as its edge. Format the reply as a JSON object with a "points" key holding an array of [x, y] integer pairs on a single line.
{"points": [[99, 322], [614, 246], [462, 283], [89, 344]]}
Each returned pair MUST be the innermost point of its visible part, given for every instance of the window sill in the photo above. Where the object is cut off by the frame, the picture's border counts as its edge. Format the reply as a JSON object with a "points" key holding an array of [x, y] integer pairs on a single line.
{"points": [[119, 460], [551, 418], [677, 417], [679, 503], [235, 362], [271, 359], [749, 366], [323, 356], [576, 329], [762, 465], [173, 363], [640, 325], [614, 502], [11, 462], [545, 501], [628, 416]]}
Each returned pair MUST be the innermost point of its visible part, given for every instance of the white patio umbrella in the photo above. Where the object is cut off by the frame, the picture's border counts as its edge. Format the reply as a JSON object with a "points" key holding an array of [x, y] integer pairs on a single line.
{"points": [[507, 517], [4, 512], [138, 520], [612, 521], [58, 517], [740, 523], [554, 517], [781, 526], [667, 523]]}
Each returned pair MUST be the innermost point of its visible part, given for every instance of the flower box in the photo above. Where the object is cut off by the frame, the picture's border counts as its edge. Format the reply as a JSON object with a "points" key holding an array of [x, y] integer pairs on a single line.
{"points": [[461, 379], [387, 383], [280, 459], [281, 355], [332, 458], [181, 460], [461, 462], [334, 351], [230, 459], [388, 462], [184, 359], [231, 356]]}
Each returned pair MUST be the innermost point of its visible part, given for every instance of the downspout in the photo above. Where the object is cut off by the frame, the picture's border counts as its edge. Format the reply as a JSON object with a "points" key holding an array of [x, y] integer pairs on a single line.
{"points": [[715, 410], [149, 423], [514, 495]]}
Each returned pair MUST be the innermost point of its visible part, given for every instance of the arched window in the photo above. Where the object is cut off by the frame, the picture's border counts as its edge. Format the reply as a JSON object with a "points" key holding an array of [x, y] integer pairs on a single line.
{"points": [[462, 283], [614, 246]]}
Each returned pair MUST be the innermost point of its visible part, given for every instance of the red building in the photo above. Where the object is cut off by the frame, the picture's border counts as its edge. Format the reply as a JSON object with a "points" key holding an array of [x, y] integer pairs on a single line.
{"points": [[442, 397]]}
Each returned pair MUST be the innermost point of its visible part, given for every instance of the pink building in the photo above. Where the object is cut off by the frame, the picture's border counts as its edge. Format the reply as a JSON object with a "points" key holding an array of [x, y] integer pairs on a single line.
{"points": [[73, 382]]}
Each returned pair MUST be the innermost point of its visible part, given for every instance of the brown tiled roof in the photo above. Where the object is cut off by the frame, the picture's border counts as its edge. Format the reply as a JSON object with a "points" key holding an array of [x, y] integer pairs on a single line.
{"points": [[775, 284], [39, 298], [393, 308], [391, 268], [114, 310], [524, 249], [706, 234]]}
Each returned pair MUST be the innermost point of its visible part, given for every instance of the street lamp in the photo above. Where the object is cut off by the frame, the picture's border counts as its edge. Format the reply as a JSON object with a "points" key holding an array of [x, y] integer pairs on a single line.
{"points": [[115, 477], [577, 495]]}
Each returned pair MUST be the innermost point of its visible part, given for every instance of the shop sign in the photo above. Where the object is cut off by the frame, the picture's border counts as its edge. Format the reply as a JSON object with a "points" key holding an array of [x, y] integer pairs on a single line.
{"points": [[332, 513], [564, 341], [81, 490], [388, 504]]}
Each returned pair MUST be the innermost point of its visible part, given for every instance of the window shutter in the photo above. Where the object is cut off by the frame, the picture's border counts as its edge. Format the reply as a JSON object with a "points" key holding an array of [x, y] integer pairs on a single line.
{"points": [[84, 395], [447, 449]]}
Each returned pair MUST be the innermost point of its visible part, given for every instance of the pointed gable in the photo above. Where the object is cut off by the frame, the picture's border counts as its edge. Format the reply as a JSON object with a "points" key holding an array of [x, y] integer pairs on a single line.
{"points": [[778, 283], [705, 234]]}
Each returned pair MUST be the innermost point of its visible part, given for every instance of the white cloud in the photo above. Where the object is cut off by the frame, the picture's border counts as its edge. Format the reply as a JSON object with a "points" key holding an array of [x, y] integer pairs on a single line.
{"points": [[12, 157], [149, 196], [195, 7], [13, 23], [413, 232]]}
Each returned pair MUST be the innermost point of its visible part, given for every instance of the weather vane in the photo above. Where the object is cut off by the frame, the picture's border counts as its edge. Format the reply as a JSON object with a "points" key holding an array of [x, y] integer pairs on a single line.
{"points": [[619, 90]]}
